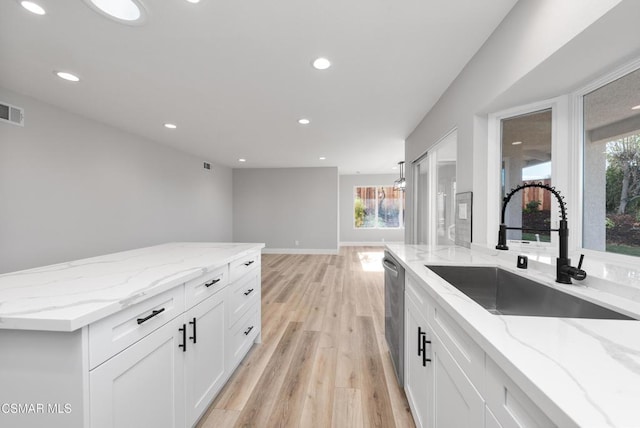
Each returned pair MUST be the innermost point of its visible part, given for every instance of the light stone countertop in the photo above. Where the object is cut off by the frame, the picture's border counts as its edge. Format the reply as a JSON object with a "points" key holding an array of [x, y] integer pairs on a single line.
{"points": [[68, 296], [580, 372]]}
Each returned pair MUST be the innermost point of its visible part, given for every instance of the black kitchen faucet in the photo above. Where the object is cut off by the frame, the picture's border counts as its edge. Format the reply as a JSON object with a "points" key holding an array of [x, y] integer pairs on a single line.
{"points": [[564, 270]]}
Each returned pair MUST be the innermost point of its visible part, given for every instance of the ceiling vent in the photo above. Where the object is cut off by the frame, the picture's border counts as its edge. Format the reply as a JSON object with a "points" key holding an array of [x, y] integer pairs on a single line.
{"points": [[11, 114]]}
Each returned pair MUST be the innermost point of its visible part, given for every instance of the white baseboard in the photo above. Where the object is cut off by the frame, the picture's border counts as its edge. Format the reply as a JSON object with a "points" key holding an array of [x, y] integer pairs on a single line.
{"points": [[369, 243], [298, 251]]}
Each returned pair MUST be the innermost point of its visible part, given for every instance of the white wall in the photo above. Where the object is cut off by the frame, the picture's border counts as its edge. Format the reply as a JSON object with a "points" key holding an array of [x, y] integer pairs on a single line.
{"points": [[543, 48], [279, 206], [72, 188], [348, 233]]}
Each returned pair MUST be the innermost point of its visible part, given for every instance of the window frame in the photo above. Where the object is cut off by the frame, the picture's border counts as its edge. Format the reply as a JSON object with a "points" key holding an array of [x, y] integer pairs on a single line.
{"points": [[577, 100], [560, 177], [401, 217]]}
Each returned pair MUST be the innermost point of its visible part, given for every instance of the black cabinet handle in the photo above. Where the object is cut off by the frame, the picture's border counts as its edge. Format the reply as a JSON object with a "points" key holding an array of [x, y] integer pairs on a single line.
{"points": [[249, 291], [420, 333], [193, 323], [210, 283], [249, 262], [183, 345], [246, 333], [148, 317], [425, 360]]}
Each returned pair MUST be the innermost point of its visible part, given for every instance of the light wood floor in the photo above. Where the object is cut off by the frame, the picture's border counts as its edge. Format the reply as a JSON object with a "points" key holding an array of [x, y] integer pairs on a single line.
{"points": [[323, 361]]}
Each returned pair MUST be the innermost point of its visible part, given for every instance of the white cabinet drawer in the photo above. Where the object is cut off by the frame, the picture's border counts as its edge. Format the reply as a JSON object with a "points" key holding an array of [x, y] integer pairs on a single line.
{"points": [[242, 295], [416, 293], [111, 335], [196, 290], [238, 268], [467, 353], [510, 406], [243, 335]]}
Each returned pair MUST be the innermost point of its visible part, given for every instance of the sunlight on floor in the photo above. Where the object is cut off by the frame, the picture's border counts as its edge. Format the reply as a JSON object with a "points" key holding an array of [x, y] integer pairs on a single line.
{"points": [[371, 261]]}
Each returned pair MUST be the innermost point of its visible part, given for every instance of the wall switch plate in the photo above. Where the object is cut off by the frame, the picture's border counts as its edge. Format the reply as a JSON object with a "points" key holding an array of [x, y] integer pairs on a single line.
{"points": [[523, 262]]}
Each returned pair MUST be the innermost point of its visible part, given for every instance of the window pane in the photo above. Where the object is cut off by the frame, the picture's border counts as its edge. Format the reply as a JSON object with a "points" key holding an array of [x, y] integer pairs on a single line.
{"points": [[526, 158], [378, 207], [365, 207], [389, 207], [612, 167], [446, 191], [422, 201]]}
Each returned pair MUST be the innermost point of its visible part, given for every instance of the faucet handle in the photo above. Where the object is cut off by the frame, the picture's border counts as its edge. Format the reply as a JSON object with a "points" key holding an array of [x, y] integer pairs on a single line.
{"points": [[581, 260]]}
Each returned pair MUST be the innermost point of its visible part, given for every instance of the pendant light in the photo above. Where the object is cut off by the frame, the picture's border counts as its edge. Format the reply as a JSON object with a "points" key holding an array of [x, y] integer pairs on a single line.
{"points": [[400, 183]]}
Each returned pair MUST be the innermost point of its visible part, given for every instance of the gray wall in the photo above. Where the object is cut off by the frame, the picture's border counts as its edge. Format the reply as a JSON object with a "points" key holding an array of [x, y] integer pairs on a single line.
{"points": [[543, 48], [72, 188], [279, 206], [348, 233]]}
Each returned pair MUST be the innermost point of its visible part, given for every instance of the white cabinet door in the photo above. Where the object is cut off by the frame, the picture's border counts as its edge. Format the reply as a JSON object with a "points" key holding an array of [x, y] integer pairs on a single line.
{"points": [[457, 403], [418, 379], [205, 369], [490, 420], [142, 386]]}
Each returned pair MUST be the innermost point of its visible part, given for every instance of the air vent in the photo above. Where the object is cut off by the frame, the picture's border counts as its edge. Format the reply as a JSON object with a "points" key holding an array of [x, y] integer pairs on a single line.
{"points": [[11, 114]]}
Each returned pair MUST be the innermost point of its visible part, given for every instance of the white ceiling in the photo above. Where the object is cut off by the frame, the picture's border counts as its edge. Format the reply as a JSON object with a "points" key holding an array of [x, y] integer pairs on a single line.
{"points": [[235, 75]]}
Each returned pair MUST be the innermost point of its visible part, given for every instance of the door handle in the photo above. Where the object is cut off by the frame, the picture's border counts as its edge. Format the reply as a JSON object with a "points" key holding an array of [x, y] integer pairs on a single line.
{"points": [[193, 323], [183, 345], [148, 317], [246, 333], [425, 360], [210, 283], [249, 262], [420, 333], [249, 291]]}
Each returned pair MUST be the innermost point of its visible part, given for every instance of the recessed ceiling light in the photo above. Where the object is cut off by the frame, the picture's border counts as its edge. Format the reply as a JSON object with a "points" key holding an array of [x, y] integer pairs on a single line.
{"points": [[33, 7], [304, 121], [67, 76], [516, 143], [636, 107], [124, 11], [321, 64], [170, 126], [193, 1], [322, 158], [242, 160]]}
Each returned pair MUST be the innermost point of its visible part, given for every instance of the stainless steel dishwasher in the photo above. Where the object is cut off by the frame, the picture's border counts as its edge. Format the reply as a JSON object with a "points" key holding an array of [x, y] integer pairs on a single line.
{"points": [[394, 312]]}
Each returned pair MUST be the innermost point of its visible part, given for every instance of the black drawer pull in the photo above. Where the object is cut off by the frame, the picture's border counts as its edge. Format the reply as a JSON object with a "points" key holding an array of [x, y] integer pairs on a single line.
{"points": [[183, 345], [210, 283], [424, 351], [249, 291], [249, 262], [420, 333], [246, 333], [148, 317], [193, 323]]}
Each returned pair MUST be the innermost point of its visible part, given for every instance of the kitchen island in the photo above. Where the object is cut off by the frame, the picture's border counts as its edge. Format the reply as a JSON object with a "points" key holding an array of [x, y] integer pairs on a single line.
{"points": [[504, 370], [139, 338]]}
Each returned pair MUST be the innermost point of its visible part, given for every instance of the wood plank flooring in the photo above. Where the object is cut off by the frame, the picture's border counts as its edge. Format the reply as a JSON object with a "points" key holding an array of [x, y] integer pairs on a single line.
{"points": [[323, 360]]}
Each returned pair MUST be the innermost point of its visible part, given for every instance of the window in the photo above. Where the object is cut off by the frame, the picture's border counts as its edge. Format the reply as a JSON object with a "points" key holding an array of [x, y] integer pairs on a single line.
{"points": [[435, 192], [526, 158], [611, 152], [378, 207]]}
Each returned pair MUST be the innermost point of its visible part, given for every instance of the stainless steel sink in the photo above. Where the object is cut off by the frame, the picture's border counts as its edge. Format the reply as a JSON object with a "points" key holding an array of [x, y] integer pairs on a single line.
{"points": [[504, 293]]}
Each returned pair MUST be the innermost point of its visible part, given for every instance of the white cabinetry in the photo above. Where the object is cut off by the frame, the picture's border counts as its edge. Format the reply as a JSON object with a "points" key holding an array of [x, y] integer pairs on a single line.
{"points": [[418, 374], [460, 386], [143, 386], [457, 403], [205, 369]]}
